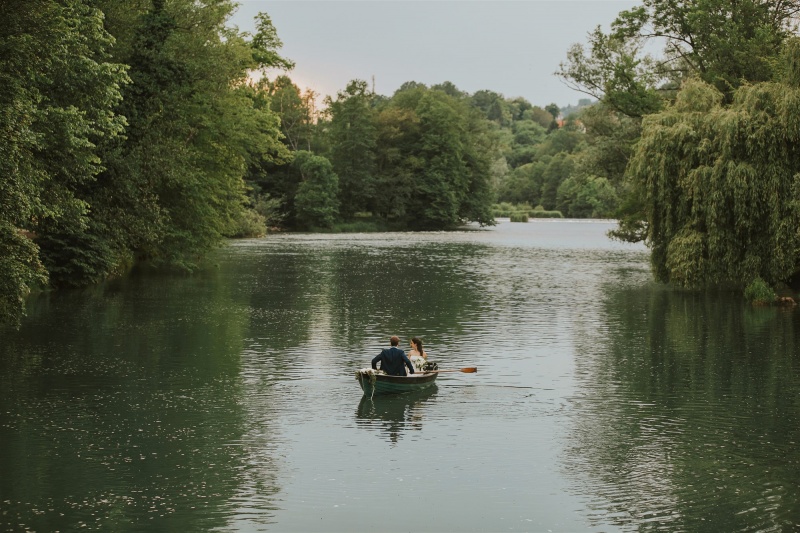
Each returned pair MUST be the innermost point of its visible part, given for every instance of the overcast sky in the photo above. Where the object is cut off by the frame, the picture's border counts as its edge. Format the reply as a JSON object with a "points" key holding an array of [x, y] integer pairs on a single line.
{"points": [[511, 47]]}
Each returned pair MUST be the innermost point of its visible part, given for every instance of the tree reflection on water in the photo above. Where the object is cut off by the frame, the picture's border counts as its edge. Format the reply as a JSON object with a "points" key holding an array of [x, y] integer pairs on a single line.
{"points": [[122, 410], [682, 410]]}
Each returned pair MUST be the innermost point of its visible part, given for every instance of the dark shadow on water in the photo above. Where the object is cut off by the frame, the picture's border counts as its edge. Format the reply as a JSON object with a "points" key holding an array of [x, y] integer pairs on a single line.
{"points": [[686, 416], [395, 414]]}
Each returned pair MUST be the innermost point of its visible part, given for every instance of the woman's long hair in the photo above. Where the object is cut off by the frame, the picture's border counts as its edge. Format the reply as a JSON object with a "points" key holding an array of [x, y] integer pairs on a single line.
{"points": [[418, 346]]}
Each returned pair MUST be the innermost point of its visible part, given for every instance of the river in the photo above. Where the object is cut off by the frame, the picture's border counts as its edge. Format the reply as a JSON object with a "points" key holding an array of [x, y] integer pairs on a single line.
{"points": [[226, 400]]}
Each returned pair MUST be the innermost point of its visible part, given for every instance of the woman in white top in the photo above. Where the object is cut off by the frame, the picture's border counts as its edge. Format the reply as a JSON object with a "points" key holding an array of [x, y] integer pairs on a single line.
{"points": [[417, 355]]}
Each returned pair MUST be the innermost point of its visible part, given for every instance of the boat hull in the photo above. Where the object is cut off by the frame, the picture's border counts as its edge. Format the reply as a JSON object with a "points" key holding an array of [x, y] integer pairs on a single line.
{"points": [[383, 384]]}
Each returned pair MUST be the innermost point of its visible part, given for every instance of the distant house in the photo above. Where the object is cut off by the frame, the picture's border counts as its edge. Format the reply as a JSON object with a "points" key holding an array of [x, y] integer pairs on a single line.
{"points": [[577, 124]]}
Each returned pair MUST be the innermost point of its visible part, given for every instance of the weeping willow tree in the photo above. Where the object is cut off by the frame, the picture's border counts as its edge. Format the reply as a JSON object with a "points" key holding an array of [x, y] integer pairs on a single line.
{"points": [[722, 184]]}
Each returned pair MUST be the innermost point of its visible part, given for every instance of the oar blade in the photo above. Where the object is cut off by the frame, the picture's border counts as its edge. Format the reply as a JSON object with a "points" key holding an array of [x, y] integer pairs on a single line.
{"points": [[470, 369]]}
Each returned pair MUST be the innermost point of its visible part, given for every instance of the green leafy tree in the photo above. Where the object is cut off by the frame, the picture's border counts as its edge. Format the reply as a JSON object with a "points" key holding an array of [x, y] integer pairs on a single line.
{"points": [[397, 133], [481, 151], [195, 127], [316, 203], [722, 183], [493, 106], [20, 271], [538, 115], [723, 43], [450, 89], [560, 141], [295, 110], [440, 186], [450, 184], [264, 44], [614, 71], [524, 185], [434, 158], [559, 169], [517, 107], [587, 197], [527, 136], [271, 181], [352, 134], [609, 141], [56, 106]]}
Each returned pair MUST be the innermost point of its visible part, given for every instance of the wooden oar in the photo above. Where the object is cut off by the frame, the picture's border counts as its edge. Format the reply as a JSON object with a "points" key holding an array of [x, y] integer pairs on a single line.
{"points": [[467, 370]]}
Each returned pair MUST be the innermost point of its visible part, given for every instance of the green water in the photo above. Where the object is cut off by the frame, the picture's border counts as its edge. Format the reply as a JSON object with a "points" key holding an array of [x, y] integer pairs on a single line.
{"points": [[226, 400]]}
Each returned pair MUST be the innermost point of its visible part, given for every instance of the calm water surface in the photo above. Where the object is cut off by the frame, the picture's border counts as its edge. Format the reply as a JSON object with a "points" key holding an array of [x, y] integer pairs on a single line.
{"points": [[226, 400]]}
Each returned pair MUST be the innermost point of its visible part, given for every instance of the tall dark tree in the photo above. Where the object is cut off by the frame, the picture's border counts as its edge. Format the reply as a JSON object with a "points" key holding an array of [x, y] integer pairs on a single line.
{"points": [[442, 159], [494, 106], [295, 109], [316, 202], [352, 134], [559, 169]]}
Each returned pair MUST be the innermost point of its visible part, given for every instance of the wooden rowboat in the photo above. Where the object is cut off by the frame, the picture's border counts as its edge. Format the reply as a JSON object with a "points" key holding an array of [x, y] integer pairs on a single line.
{"points": [[375, 383]]}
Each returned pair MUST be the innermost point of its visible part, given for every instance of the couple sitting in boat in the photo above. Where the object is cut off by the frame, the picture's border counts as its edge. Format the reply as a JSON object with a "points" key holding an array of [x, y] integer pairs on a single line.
{"points": [[394, 360]]}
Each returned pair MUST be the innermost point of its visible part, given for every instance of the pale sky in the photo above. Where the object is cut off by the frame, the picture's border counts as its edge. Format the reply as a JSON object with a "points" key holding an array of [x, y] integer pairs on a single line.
{"points": [[510, 47]]}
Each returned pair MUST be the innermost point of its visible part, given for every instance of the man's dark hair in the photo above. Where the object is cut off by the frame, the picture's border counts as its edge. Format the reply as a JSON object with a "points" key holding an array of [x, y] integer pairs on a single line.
{"points": [[395, 340]]}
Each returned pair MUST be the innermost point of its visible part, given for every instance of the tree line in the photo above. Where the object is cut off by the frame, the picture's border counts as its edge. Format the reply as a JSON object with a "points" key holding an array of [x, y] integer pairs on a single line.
{"points": [[136, 132], [427, 157], [418, 160]]}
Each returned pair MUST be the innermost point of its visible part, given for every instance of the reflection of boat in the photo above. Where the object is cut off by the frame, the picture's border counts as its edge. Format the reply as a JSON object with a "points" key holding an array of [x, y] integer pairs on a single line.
{"points": [[395, 414], [373, 382]]}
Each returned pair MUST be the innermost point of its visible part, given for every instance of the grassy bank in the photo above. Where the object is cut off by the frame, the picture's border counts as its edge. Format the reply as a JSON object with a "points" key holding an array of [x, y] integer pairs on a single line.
{"points": [[521, 212]]}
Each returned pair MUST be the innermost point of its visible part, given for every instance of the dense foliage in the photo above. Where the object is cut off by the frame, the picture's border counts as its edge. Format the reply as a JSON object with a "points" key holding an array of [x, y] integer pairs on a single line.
{"points": [[57, 105], [153, 130], [421, 159], [126, 141], [723, 182], [707, 135], [721, 42]]}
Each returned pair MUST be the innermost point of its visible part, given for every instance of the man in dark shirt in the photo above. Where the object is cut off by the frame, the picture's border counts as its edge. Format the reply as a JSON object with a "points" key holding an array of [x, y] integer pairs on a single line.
{"points": [[393, 360]]}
